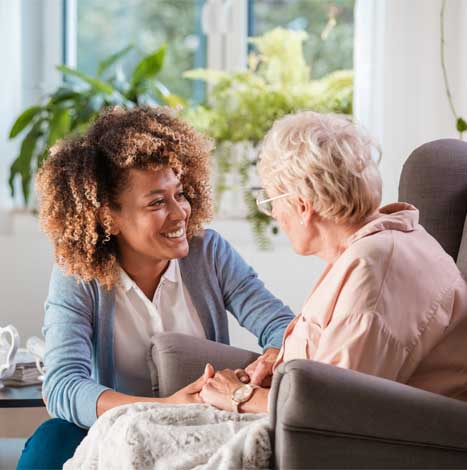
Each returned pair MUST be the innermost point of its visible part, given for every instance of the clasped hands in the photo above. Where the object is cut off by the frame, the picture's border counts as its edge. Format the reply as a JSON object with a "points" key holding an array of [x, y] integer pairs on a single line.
{"points": [[216, 387]]}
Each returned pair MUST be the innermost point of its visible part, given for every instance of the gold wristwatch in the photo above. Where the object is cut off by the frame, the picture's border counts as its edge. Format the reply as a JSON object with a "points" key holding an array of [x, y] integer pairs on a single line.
{"points": [[241, 395]]}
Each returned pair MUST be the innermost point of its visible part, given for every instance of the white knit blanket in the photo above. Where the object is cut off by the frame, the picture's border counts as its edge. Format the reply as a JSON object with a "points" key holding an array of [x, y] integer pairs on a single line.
{"points": [[177, 437]]}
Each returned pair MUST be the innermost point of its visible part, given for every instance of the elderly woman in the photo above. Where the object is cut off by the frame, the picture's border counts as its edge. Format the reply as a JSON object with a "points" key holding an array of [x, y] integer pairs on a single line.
{"points": [[124, 206], [390, 301]]}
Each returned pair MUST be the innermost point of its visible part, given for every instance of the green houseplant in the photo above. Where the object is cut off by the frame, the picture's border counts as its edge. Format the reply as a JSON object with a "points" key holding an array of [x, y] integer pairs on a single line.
{"points": [[77, 101], [242, 106]]}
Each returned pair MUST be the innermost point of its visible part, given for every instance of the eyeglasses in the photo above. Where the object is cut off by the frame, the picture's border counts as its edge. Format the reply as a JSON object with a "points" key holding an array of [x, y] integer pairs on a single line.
{"points": [[264, 203]]}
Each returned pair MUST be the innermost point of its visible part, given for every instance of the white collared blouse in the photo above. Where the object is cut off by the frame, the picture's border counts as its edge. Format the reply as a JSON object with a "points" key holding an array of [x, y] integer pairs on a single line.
{"points": [[137, 318]]}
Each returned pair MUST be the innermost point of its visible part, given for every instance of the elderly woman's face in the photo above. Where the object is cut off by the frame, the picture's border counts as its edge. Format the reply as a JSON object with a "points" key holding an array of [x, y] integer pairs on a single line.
{"points": [[285, 212], [153, 216]]}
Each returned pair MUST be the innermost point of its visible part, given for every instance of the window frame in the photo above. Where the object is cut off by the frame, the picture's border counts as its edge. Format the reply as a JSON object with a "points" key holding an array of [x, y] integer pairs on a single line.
{"points": [[224, 50]]}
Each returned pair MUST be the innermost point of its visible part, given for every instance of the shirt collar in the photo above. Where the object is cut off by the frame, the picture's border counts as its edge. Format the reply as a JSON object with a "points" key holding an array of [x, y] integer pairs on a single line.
{"points": [[170, 275], [397, 216], [126, 281]]}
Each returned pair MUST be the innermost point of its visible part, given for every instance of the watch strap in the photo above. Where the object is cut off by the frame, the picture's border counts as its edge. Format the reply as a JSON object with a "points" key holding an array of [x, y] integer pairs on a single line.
{"points": [[236, 403]]}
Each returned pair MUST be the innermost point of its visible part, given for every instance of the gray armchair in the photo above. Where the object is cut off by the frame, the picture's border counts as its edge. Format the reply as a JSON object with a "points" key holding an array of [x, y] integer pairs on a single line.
{"points": [[327, 417]]}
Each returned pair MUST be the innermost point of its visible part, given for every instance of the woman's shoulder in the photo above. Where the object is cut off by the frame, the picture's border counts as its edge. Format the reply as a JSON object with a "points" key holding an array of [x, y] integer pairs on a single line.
{"points": [[63, 278], [211, 250], [67, 286], [373, 245], [207, 241], [368, 254]]}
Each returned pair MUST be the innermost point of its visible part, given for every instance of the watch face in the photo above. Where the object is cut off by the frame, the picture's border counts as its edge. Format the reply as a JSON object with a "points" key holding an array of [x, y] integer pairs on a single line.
{"points": [[242, 393]]}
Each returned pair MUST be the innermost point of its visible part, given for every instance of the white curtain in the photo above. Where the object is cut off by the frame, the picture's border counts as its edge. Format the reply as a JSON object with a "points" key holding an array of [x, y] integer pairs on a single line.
{"points": [[399, 91], [10, 96], [31, 33]]}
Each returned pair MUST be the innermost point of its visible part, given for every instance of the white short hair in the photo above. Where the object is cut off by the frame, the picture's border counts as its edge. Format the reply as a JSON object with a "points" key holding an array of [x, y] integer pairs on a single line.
{"points": [[323, 158]]}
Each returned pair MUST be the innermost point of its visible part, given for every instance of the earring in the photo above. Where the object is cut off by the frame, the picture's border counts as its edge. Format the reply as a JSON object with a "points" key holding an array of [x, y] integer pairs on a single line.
{"points": [[302, 222]]}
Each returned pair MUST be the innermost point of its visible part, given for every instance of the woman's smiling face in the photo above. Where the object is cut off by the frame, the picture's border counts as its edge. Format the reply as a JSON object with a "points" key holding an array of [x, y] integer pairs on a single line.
{"points": [[152, 220]]}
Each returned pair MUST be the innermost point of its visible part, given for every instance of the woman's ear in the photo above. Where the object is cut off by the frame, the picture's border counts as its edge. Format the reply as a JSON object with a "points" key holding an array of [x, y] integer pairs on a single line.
{"points": [[305, 210]]}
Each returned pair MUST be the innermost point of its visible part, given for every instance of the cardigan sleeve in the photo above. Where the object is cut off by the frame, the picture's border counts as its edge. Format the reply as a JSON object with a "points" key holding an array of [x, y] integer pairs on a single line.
{"points": [[69, 388], [246, 297]]}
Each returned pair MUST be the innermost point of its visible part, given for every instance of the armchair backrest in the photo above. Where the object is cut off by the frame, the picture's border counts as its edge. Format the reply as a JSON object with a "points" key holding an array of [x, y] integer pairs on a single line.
{"points": [[434, 179]]}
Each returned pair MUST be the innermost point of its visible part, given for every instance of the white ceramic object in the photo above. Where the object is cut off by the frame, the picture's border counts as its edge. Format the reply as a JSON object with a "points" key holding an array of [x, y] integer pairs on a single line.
{"points": [[36, 347], [8, 352]]}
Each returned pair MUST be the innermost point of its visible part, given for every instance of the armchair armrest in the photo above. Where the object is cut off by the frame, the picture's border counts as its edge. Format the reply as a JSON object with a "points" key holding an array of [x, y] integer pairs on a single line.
{"points": [[180, 359], [329, 417]]}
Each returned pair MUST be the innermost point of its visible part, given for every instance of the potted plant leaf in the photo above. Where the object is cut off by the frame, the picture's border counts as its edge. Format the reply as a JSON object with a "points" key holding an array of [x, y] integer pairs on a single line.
{"points": [[242, 107], [77, 101]]}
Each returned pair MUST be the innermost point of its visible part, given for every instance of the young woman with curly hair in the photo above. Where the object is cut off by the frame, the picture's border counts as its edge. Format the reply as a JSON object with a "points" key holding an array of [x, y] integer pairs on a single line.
{"points": [[124, 206]]}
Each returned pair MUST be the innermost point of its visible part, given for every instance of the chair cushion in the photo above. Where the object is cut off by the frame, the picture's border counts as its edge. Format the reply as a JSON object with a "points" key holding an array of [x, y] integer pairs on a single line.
{"points": [[180, 359]]}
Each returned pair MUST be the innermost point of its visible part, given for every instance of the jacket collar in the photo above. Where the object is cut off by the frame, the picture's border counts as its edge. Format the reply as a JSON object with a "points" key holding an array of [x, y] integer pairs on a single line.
{"points": [[398, 216]]}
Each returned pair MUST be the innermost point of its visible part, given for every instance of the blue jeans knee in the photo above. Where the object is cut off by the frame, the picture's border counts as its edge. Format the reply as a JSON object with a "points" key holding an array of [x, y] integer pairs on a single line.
{"points": [[51, 445]]}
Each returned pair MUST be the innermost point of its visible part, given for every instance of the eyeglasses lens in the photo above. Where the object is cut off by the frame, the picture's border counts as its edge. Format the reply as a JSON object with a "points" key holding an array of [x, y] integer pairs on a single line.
{"points": [[264, 207]]}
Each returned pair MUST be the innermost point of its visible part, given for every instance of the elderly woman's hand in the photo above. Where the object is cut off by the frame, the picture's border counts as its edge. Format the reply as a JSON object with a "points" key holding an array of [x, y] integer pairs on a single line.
{"points": [[259, 372], [218, 390]]}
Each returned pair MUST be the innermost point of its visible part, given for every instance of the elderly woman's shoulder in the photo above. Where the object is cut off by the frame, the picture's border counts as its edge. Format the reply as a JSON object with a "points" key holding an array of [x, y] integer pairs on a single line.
{"points": [[366, 262], [376, 248]]}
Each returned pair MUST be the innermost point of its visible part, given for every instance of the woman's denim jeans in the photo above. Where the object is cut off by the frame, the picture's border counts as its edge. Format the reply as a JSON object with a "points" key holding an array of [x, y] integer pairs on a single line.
{"points": [[52, 444]]}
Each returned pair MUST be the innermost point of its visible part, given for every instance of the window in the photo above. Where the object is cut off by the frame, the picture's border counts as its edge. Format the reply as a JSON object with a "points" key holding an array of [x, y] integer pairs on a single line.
{"points": [[329, 24], [105, 27]]}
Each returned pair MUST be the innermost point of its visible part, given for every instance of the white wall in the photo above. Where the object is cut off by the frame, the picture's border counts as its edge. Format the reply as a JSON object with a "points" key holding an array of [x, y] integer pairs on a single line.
{"points": [[25, 266]]}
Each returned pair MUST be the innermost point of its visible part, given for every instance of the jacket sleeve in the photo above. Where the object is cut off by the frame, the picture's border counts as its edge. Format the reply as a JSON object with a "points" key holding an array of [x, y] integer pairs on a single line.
{"points": [[246, 297], [69, 388]]}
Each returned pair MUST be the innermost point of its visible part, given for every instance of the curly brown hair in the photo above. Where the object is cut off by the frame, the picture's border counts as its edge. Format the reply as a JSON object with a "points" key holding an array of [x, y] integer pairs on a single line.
{"points": [[86, 173]]}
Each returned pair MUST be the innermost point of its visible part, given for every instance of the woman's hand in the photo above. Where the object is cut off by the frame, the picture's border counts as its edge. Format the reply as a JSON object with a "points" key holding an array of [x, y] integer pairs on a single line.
{"points": [[259, 372], [188, 394], [191, 393], [218, 390]]}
